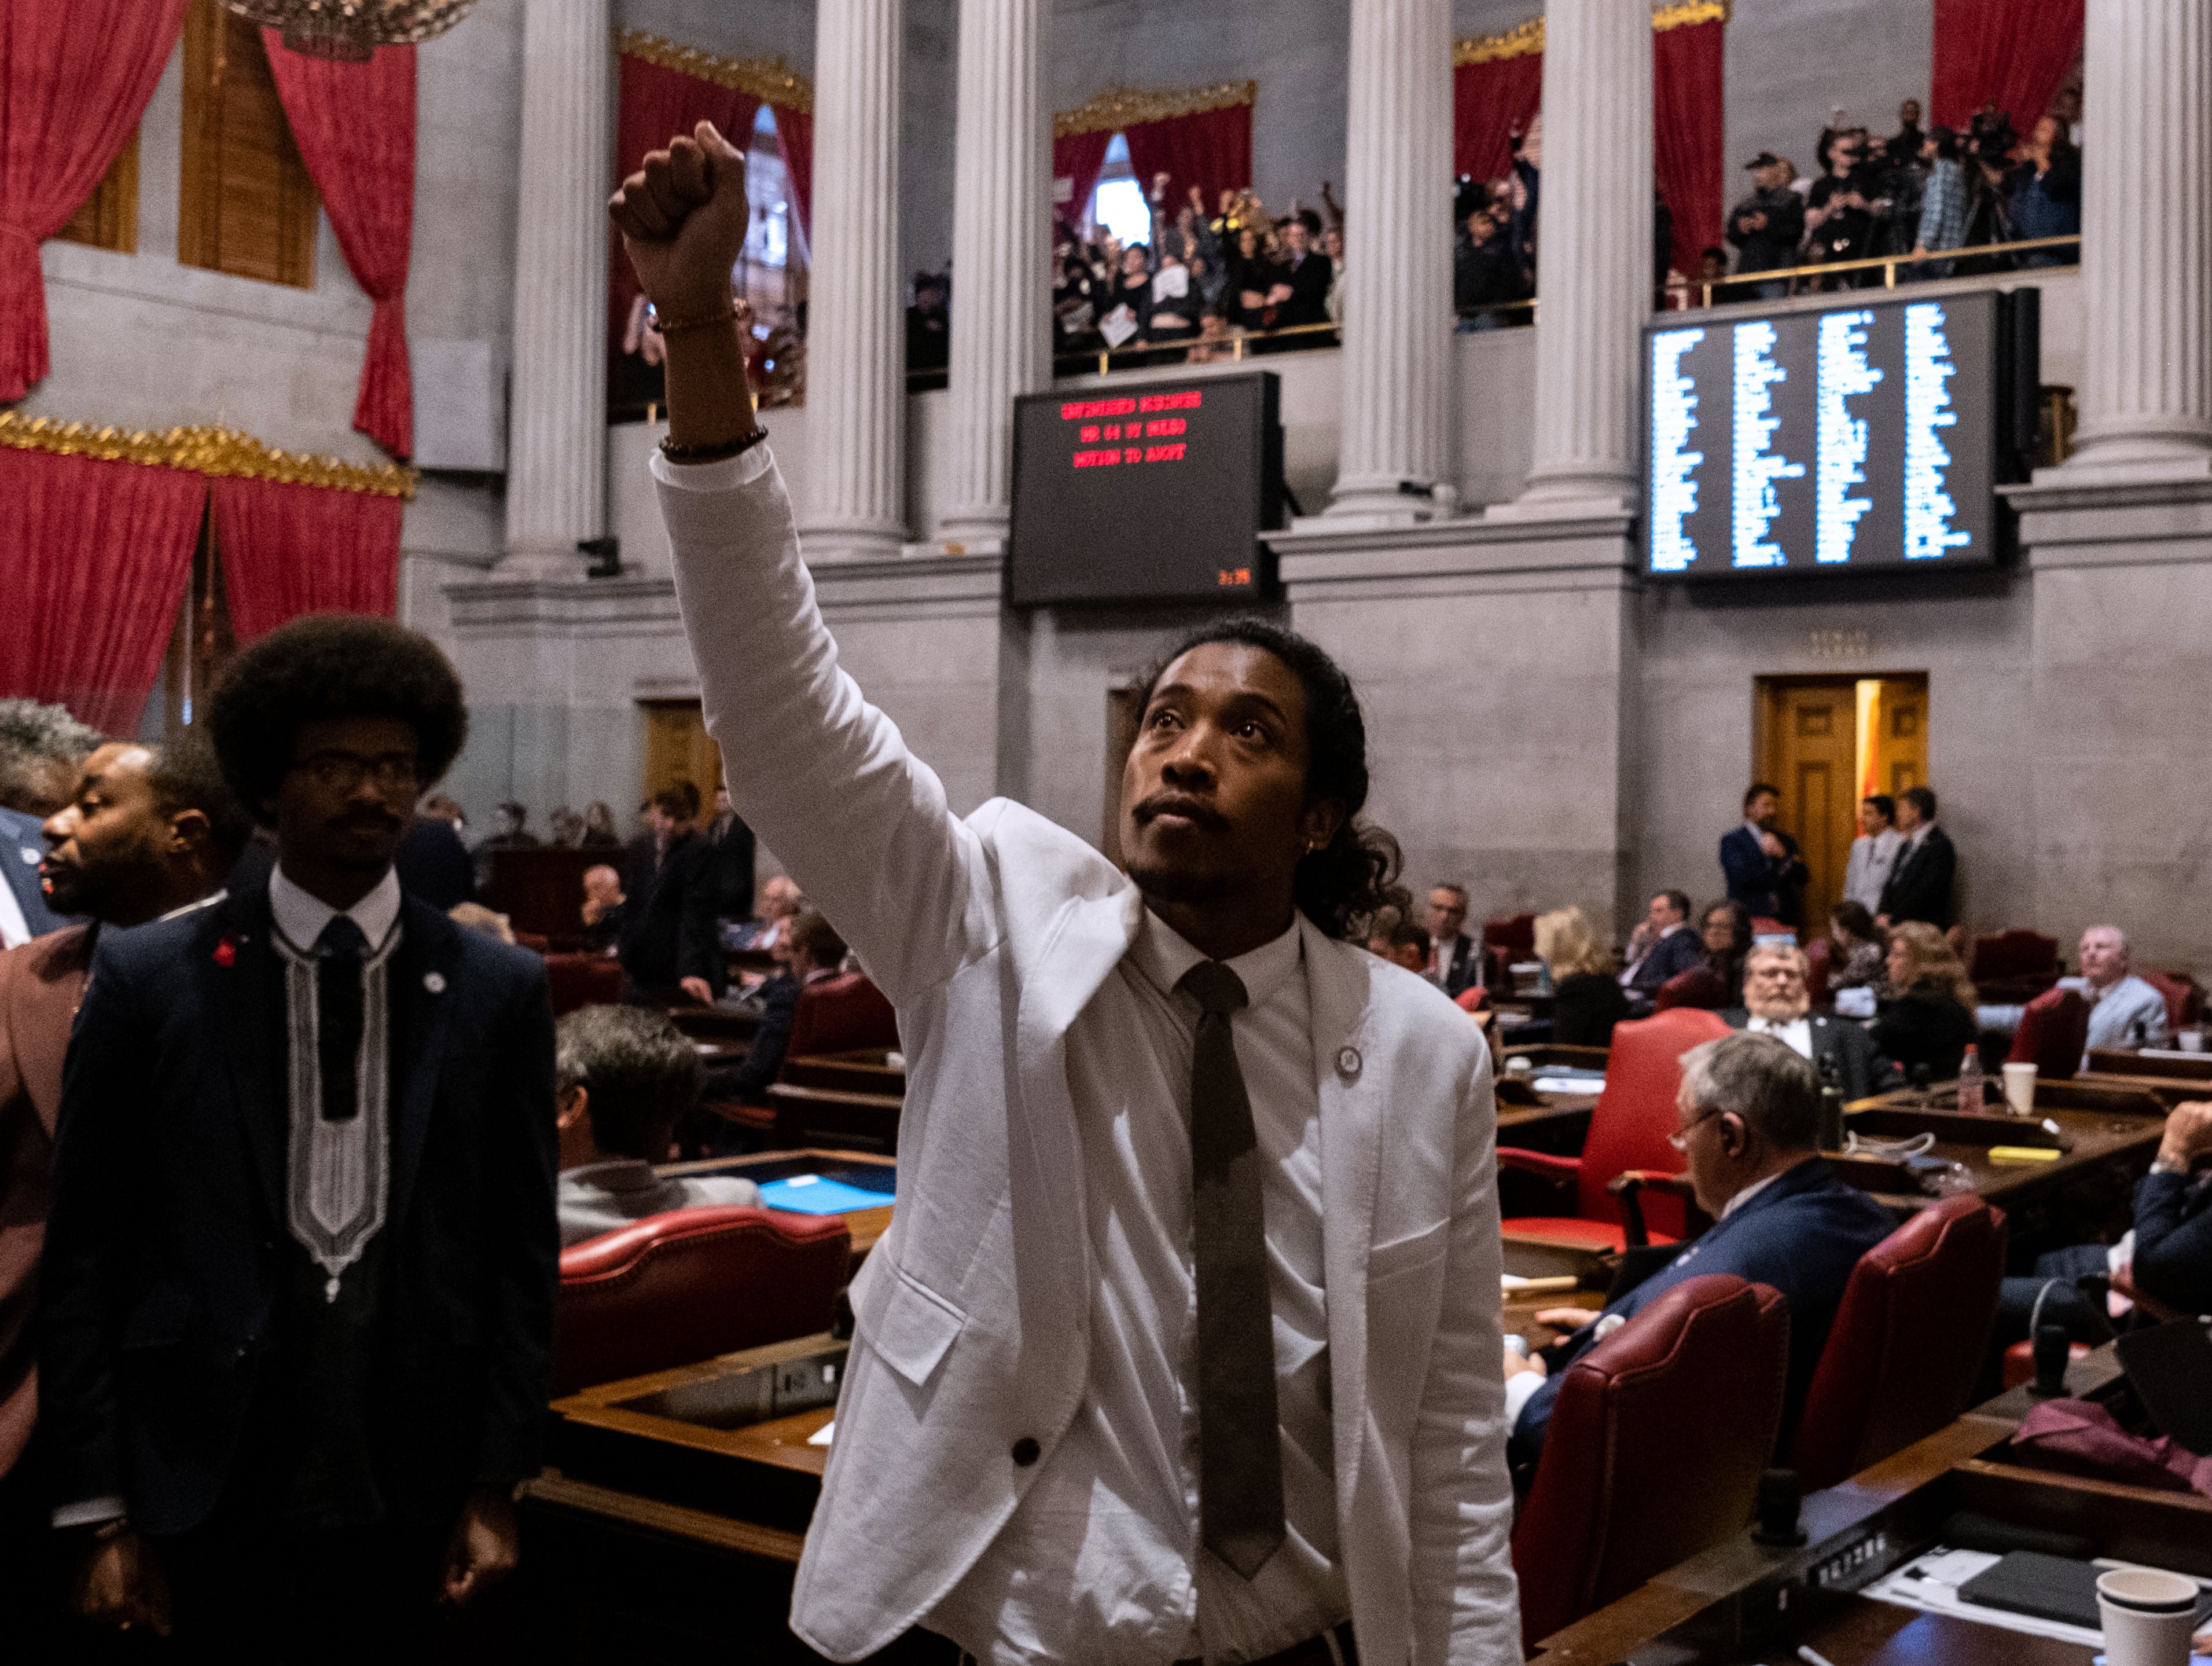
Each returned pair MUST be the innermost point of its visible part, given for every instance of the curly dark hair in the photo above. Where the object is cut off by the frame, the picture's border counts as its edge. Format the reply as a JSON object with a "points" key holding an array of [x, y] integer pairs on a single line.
{"points": [[331, 665], [185, 776], [1341, 887]]}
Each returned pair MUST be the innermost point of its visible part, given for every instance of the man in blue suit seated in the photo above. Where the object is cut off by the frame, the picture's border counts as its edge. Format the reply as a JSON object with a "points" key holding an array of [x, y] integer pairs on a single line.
{"points": [[1764, 871], [1750, 1111], [2166, 1255]]}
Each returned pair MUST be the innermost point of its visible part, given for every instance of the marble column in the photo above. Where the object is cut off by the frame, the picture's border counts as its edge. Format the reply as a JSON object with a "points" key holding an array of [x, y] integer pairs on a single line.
{"points": [[1594, 252], [856, 502], [558, 428], [2146, 395], [1397, 281], [1001, 242]]}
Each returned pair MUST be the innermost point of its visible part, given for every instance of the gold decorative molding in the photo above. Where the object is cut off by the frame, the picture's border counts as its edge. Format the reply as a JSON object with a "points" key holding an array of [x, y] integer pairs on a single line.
{"points": [[769, 79], [209, 451], [1119, 106], [1524, 38]]}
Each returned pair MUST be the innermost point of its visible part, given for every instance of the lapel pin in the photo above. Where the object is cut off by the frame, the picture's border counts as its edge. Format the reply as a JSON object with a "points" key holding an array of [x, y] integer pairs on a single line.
{"points": [[226, 952], [434, 982], [30, 857], [1348, 1061]]}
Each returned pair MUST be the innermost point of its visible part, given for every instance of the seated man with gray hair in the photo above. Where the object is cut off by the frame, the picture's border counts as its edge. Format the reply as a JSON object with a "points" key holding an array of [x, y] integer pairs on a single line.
{"points": [[1777, 1002], [2125, 1010], [1750, 1109], [623, 1077]]}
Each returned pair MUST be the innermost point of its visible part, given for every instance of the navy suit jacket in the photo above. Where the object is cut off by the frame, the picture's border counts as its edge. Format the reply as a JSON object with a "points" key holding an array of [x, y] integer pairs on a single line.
{"points": [[167, 1251], [2173, 1240], [1801, 1236], [1920, 884], [1671, 955], [23, 847], [1768, 886]]}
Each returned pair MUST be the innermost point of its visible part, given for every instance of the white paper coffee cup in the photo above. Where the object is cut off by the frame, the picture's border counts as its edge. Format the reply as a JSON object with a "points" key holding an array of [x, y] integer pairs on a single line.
{"points": [[2148, 1616], [2020, 1088]]}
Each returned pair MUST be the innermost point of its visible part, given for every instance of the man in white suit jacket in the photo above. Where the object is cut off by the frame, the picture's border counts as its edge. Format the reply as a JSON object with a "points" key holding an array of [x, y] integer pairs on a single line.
{"points": [[1018, 1454]]}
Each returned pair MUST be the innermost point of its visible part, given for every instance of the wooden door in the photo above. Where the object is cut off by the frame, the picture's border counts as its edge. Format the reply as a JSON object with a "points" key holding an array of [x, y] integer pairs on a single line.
{"points": [[1810, 751], [677, 748], [1900, 734]]}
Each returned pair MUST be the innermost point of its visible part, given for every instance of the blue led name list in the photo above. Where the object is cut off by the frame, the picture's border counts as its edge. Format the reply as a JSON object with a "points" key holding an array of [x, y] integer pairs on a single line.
{"points": [[1928, 373], [1673, 467], [1840, 454], [1757, 468]]}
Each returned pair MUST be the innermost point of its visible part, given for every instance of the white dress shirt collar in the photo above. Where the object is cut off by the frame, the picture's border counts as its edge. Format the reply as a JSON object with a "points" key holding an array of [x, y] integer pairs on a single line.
{"points": [[301, 917], [1748, 1193], [1164, 956], [1797, 1032]]}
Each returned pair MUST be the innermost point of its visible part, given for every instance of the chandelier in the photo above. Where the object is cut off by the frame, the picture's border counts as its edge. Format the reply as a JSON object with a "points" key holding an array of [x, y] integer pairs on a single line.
{"points": [[351, 30]]}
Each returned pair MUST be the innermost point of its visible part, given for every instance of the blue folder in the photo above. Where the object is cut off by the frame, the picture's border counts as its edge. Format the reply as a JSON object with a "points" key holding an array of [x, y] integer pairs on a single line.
{"points": [[816, 1195]]}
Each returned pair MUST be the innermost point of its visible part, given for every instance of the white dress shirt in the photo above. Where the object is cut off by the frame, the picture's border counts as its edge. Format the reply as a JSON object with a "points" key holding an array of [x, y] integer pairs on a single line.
{"points": [[1872, 859], [1102, 1561], [1797, 1032]]}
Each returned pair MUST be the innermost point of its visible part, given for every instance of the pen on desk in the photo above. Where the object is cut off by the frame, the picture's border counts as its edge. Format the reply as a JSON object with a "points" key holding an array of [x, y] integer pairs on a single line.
{"points": [[1813, 1656]]}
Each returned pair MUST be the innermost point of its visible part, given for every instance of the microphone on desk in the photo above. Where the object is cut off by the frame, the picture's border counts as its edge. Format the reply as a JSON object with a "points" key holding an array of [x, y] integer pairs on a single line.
{"points": [[1777, 1509], [2054, 1351]]}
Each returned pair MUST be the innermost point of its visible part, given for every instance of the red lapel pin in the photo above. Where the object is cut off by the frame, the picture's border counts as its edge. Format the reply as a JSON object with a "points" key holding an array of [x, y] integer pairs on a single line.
{"points": [[226, 952]]}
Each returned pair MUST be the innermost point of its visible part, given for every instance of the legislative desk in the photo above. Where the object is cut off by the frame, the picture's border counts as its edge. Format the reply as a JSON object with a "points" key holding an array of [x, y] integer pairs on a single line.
{"points": [[869, 1170], [1744, 1604]]}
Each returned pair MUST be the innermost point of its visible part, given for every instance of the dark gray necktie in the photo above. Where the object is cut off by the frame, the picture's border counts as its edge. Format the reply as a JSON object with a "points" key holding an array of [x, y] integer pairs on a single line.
{"points": [[1240, 1473], [339, 953]]}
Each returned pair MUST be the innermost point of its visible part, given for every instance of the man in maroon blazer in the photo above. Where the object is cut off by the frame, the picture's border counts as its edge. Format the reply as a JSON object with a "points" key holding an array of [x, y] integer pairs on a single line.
{"points": [[144, 835]]}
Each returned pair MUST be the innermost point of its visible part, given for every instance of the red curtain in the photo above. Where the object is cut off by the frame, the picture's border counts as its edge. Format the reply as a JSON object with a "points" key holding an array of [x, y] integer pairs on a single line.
{"points": [[2013, 52], [97, 554], [1211, 150], [794, 137], [74, 76], [1686, 135], [1489, 101], [354, 125], [653, 104], [292, 549], [1078, 158]]}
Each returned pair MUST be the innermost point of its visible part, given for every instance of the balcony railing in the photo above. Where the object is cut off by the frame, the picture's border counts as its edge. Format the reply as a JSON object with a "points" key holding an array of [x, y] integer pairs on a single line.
{"points": [[1737, 288]]}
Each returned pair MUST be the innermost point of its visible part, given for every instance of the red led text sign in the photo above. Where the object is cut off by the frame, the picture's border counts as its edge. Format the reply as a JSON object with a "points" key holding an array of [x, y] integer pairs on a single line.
{"points": [[1129, 429]]}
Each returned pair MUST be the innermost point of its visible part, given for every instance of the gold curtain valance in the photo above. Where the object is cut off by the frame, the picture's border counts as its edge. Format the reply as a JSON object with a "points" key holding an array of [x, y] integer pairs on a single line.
{"points": [[212, 451], [1119, 107], [1526, 38], [769, 79]]}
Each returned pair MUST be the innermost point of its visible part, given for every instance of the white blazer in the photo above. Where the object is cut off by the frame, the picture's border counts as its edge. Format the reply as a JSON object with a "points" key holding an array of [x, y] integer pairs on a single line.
{"points": [[989, 935]]}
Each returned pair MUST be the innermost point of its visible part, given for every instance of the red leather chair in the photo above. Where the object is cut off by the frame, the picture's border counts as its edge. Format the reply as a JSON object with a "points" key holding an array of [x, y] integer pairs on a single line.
{"points": [[2054, 1030], [582, 980], [1656, 1443], [677, 1288], [1700, 987], [1766, 926], [1907, 1345], [2011, 966], [1628, 1131], [1816, 969], [841, 1014], [2185, 997]]}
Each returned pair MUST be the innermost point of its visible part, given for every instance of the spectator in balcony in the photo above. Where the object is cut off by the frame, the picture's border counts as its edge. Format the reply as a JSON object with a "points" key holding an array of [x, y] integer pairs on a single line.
{"points": [[1131, 290], [1845, 208], [1175, 302], [1306, 274], [928, 329], [1332, 244], [1255, 286], [599, 832], [1767, 225], [1905, 144], [2046, 192], [1944, 201], [1485, 274]]}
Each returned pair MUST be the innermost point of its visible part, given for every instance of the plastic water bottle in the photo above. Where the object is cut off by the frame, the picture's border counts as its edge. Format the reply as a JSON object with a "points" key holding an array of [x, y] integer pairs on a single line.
{"points": [[1969, 1082]]}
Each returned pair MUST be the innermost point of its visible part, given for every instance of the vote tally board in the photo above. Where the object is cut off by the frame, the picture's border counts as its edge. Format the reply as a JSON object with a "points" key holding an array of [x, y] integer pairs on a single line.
{"points": [[1867, 434], [1146, 491]]}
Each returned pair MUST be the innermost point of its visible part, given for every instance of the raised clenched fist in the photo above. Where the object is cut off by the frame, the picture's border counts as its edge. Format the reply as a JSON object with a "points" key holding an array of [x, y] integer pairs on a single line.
{"points": [[683, 218]]}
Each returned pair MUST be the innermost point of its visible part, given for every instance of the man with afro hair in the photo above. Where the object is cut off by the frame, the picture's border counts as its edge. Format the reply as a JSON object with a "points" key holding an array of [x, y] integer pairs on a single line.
{"points": [[300, 1265]]}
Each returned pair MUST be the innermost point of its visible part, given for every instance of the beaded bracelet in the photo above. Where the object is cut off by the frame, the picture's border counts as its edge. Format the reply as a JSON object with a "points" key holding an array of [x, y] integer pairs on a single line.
{"points": [[721, 452]]}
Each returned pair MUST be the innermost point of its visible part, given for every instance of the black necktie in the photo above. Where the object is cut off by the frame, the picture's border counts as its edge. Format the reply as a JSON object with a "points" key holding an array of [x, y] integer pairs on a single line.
{"points": [[1240, 1474], [339, 953]]}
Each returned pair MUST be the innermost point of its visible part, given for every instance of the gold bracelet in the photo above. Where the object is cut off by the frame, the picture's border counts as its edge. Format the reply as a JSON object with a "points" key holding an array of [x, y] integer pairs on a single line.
{"points": [[677, 326]]}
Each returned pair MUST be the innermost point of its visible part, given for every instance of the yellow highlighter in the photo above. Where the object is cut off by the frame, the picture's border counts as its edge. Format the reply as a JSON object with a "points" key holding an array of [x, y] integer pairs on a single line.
{"points": [[2023, 1154]]}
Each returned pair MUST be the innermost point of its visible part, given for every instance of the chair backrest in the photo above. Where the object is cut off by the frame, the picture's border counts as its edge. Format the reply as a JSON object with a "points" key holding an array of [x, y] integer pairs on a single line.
{"points": [[1656, 1443], [582, 980], [1765, 925], [676, 1288], [1514, 936], [2012, 954], [1635, 1113], [2054, 1029], [2185, 996], [841, 1014], [1701, 987], [1817, 964], [1903, 1357]]}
